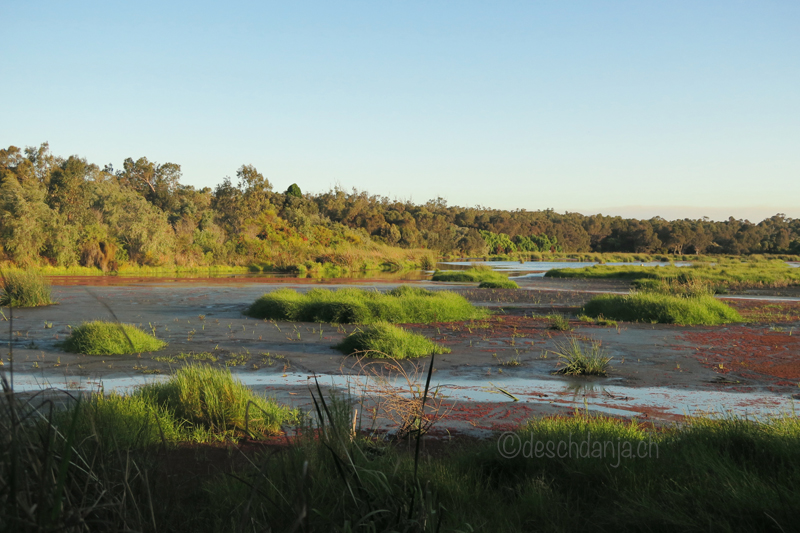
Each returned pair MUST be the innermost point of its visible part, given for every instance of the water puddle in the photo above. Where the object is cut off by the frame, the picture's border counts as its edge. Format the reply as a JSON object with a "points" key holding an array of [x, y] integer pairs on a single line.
{"points": [[598, 396]]}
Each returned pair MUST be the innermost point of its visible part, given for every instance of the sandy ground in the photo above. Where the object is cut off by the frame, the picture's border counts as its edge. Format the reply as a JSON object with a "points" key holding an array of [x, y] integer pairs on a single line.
{"points": [[659, 372]]}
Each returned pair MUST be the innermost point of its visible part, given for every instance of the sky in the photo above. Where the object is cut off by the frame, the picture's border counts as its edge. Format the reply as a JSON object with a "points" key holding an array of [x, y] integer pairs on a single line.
{"points": [[676, 109]]}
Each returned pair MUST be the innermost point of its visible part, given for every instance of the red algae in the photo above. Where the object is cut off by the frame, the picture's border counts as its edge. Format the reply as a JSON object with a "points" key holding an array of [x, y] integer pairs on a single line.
{"points": [[766, 310], [749, 352]]}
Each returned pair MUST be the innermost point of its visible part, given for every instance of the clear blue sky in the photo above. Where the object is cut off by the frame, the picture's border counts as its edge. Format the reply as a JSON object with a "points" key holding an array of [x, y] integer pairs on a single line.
{"points": [[633, 108]]}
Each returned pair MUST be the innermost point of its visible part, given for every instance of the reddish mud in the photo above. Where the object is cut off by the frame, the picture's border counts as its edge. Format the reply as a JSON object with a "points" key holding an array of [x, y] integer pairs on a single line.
{"points": [[749, 352]]}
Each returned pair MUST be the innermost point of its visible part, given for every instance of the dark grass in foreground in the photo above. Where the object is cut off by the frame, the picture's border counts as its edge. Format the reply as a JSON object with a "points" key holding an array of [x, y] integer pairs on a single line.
{"points": [[734, 474], [110, 338], [355, 306], [24, 288], [608, 475], [661, 308], [385, 340], [97, 465]]}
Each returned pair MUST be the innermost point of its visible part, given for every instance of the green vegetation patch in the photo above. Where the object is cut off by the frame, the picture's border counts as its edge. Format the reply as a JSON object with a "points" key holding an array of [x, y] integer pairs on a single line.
{"points": [[726, 274], [478, 273], [197, 404], [498, 284], [110, 338], [385, 340], [355, 306], [25, 288], [661, 308], [124, 422], [582, 358], [211, 399]]}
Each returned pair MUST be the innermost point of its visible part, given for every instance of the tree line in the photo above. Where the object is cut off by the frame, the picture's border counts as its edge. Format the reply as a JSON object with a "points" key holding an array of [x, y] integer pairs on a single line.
{"points": [[68, 211]]}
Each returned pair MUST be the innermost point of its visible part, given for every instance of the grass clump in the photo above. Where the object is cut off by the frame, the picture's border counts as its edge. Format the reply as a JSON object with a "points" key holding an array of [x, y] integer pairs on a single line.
{"points": [[599, 321], [25, 288], [559, 322], [385, 340], [482, 274], [661, 308], [581, 358], [498, 284], [208, 399], [355, 306], [123, 422], [110, 338], [725, 274]]}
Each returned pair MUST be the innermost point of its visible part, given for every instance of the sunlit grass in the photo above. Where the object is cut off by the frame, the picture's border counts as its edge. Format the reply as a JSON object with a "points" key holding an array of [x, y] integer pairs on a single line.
{"points": [[24, 288], [385, 340], [661, 308], [109, 338], [355, 306], [213, 400]]}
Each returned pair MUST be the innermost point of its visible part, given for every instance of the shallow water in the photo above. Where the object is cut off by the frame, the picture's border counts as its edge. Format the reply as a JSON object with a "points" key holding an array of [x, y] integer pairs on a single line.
{"points": [[598, 395], [538, 268]]}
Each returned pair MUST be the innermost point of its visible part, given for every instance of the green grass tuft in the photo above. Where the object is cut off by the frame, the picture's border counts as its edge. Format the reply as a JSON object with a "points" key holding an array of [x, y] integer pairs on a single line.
{"points": [[733, 274], [661, 308], [109, 338], [385, 340], [559, 322], [582, 358], [124, 422], [478, 273], [498, 284], [356, 306], [211, 399], [25, 288]]}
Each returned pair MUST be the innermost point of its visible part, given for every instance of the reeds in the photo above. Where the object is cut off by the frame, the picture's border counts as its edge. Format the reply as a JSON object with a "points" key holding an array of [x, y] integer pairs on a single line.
{"points": [[24, 288]]}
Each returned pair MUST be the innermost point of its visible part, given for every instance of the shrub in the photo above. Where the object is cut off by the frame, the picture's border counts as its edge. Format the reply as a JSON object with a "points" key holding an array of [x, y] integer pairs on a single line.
{"points": [[582, 359], [355, 306], [212, 399], [109, 338], [385, 340], [662, 308], [25, 288]]}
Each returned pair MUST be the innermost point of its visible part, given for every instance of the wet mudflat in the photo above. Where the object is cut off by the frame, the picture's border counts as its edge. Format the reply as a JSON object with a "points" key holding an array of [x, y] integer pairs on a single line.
{"points": [[499, 373]]}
